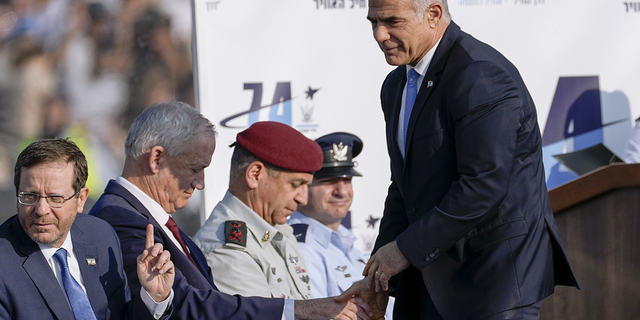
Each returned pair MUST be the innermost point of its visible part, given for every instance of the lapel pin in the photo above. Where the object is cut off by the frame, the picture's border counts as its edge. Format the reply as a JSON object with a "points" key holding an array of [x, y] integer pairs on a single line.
{"points": [[266, 236], [91, 261], [429, 84]]}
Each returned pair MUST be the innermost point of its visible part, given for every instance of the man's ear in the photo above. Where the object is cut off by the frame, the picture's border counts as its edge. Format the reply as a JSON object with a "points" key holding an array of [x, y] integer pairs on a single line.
{"points": [[254, 173], [433, 15], [157, 158], [82, 198]]}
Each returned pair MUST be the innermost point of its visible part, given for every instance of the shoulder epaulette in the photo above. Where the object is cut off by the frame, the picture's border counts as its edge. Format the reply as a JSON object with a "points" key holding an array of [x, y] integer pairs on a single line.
{"points": [[235, 231], [300, 231]]}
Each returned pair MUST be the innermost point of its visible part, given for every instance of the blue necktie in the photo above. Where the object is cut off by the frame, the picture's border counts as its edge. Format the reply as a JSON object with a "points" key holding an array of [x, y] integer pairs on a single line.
{"points": [[77, 298], [412, 92]]}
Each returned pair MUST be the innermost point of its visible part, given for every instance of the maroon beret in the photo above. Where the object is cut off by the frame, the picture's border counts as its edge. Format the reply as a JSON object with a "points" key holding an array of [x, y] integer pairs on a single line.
{"points": [[281, 146]]}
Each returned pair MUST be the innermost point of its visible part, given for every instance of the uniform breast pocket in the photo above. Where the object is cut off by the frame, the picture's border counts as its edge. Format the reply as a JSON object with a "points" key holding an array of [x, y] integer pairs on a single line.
{"points": [[279, 288]]}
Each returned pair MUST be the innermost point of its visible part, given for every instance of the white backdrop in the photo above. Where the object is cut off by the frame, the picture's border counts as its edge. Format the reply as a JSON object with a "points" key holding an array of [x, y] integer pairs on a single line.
{"points": [[327, 45]]}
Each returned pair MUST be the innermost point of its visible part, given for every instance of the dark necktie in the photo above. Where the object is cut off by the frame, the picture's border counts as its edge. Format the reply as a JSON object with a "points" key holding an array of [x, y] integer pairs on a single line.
{"points": [[412, 93], [78, 299], [171, 224]]}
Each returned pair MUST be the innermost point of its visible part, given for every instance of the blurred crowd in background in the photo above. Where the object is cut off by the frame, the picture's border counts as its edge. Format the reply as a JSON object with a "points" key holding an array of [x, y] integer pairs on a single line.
{"points": [[85, 69]]}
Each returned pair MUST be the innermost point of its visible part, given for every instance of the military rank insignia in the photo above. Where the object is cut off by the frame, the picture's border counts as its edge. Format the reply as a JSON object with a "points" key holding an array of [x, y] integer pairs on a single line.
{"points": [[235, 232], [300, 231]]}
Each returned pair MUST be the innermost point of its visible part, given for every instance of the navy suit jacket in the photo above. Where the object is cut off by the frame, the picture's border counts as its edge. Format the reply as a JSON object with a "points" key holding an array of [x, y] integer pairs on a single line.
{"points": [[28, 286], [196, 296], [469, 207]]}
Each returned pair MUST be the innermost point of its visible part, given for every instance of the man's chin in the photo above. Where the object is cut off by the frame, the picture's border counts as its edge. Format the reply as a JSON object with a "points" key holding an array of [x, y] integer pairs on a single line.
{"points": [[44, 238]]}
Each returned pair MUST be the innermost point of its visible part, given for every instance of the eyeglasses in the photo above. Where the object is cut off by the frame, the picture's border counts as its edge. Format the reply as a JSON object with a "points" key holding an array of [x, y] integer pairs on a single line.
{"points": [[54, 200]]}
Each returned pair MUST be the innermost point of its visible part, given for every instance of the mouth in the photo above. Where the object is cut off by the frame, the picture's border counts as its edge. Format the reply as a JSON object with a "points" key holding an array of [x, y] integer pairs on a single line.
{"points": [[39, 225], [388, 50], [338, 203]]}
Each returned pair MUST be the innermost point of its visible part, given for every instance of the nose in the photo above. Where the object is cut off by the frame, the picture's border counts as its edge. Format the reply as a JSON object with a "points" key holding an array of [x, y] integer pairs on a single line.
{"points": [[198, 182], [302, 196], [42, 207], [339, 189], [380, 33]]}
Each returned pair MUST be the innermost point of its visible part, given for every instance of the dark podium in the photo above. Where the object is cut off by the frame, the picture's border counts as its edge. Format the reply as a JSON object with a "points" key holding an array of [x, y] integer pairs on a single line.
{"points": [[598, 216]]}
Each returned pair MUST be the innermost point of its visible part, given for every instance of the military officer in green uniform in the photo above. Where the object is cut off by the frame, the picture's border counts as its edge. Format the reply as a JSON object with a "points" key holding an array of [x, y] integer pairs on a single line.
{"points": [[248, 245]]}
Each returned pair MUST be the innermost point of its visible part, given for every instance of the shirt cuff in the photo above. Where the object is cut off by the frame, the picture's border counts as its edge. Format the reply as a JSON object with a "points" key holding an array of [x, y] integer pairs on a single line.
{"points": [[288, 313], [157, 309]]}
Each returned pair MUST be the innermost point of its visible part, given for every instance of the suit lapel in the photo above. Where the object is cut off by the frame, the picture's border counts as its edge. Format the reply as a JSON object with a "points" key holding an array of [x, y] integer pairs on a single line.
{"points": [[116, 189], [397, 99], [199, 258], [38, 269], [89, 264], [431, 78]]}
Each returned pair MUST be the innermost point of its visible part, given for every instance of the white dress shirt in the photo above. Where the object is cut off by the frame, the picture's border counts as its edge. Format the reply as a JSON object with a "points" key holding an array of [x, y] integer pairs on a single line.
{"points": [[156, 210], [155, 308]]}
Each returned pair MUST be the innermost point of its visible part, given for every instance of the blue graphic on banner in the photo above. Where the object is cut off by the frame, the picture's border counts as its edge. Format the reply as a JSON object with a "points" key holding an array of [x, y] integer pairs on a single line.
{"points": [[280, 107], [574, 123]]}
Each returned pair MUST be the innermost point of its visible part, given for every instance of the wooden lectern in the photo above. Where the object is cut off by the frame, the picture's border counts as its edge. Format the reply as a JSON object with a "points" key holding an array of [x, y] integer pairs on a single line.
{"points": [[598, 216]]}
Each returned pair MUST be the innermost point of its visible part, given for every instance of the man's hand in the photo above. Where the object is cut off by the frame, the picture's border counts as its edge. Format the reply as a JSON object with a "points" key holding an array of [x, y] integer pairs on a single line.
{"points": [[386, 263], [353, 308], [377, 301], [155, 269]]}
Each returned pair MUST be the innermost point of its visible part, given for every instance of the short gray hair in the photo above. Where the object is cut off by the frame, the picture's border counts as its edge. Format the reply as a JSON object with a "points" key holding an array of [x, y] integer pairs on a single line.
{"points": [[421, 6], [169, 124]]}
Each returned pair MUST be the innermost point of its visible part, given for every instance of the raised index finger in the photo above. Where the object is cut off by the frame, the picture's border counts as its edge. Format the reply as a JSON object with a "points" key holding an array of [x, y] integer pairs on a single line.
{"points": [[150, 240]]}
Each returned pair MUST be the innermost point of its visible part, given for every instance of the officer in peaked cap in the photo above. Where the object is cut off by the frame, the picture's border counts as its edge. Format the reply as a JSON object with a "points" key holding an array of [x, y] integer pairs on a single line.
{"points": [[248, 245], [326, 245], [338, 150]]}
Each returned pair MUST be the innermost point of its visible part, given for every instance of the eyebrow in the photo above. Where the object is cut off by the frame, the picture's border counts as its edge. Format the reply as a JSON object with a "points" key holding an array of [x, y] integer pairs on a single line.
{"points": [[301, 180]]}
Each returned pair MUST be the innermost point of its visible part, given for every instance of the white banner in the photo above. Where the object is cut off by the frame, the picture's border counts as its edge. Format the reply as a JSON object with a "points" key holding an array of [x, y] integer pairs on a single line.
{"points": [[313, 64]]}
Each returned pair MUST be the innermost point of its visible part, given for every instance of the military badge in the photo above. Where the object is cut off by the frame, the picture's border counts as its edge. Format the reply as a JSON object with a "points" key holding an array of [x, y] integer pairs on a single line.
{"points": [[293, 259], [305, 279], [235, 232], [300, 231], [341, 268], [300, 270], [340, 152]]}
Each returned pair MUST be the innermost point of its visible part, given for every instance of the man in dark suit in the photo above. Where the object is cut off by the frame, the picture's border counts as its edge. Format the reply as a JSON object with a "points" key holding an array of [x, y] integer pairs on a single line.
{"points": [[60, 264], [167, 149], [467, 231]]}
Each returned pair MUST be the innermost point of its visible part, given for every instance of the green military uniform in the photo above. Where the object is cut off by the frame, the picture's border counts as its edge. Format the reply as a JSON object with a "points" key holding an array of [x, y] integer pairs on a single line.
{"points": [[250, 257]]}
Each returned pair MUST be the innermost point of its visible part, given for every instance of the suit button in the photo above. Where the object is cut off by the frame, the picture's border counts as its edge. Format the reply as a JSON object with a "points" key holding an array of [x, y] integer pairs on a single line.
{"points": [[411, 211], [432, 255], [436, 251], [427, 259]]}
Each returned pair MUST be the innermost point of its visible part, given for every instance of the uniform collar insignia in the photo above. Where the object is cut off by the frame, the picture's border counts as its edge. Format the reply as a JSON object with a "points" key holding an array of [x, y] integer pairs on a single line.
{"points": [[341, 268], [266, 236]]}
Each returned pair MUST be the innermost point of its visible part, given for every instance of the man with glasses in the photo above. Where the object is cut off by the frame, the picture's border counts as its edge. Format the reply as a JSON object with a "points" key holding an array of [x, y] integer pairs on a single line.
{"points": [[59, 264]]}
